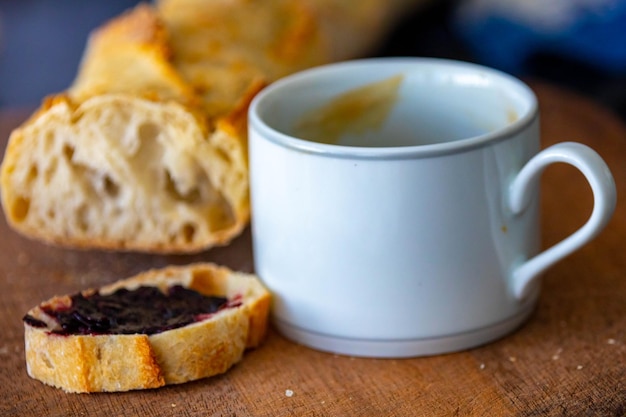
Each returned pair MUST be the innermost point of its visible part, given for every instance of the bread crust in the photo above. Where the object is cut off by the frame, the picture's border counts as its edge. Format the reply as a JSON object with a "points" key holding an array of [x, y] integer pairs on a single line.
{"points": [[121, 362]]}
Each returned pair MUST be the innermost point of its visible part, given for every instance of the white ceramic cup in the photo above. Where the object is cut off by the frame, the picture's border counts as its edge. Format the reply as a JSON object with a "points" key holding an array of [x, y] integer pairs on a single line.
{"points": [[423, 242]]}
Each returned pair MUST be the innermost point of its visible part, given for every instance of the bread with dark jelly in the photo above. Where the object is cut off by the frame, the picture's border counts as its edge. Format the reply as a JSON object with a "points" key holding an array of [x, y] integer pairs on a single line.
{"points": [[163, 326]]}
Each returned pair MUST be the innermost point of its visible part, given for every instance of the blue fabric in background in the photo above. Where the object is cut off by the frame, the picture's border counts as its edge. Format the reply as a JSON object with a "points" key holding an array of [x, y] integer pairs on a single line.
{"points": [[506, 34], [41, 43]]}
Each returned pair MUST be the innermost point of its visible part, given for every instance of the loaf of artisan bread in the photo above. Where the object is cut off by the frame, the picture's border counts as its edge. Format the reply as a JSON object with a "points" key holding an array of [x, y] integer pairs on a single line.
{"points": [[101, 351], [146, 150], [126, 159]]}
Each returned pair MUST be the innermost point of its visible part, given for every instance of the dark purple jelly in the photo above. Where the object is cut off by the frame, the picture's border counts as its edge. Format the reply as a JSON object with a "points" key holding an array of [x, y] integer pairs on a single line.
{"points": [[145, 310]]}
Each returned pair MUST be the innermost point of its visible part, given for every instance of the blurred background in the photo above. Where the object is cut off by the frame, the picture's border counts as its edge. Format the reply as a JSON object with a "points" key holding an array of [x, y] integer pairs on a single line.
{"points": [[41, 43], [577, 44]]}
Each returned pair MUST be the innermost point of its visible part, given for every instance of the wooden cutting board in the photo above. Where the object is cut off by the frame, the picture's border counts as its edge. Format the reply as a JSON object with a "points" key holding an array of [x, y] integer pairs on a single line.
{"points": [[569, 359]]}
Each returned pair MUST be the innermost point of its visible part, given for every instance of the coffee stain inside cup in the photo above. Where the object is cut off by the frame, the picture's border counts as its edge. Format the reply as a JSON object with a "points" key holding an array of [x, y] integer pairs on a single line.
{"points": [[511, 116], [353, 112]]}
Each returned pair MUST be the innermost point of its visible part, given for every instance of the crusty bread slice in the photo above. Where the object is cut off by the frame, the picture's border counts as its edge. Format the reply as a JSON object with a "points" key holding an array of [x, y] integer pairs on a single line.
{"points": [[122, 362]]}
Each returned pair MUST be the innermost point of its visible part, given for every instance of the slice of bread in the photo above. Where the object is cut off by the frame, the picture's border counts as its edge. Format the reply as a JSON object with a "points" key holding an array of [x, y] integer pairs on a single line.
{"points": [[122, 362]]}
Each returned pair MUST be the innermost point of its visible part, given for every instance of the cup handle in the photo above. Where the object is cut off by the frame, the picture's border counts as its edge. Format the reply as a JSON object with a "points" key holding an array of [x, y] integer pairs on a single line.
{"points": [[602, 185]]}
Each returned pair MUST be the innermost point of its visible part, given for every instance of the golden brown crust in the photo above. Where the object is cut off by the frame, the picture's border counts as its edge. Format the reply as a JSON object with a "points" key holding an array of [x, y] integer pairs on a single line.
{"points": [[130, 54], [227, 48], [90, 363]]}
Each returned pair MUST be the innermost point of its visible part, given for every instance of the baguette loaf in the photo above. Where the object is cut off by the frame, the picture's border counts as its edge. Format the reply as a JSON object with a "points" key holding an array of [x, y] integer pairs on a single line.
{"points": [[146, 150], [125, 160], [122, 362]]}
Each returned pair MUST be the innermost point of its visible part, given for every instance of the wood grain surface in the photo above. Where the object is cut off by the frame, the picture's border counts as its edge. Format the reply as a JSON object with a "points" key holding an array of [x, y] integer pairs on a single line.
{"points": [[569, 359]]}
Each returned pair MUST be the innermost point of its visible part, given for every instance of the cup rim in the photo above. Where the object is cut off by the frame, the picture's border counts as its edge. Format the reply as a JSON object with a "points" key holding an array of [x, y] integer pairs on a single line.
{"points": [[390, 152]]}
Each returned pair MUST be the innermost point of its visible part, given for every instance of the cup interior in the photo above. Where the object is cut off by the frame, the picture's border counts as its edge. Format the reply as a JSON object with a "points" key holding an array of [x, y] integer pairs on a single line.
{"points": [[437, 101]]}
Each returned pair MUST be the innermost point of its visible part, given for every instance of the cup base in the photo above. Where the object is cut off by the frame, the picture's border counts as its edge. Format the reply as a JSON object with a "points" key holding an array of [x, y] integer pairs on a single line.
{"points": [[405, 348]]}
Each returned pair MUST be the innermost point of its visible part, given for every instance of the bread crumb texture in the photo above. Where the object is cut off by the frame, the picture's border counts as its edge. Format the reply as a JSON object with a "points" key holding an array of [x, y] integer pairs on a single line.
{"points": [[110, 173]]}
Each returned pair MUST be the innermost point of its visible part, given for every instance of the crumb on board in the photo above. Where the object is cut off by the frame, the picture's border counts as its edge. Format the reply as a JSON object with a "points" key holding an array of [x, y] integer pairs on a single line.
{"points": [[289, 393]]}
